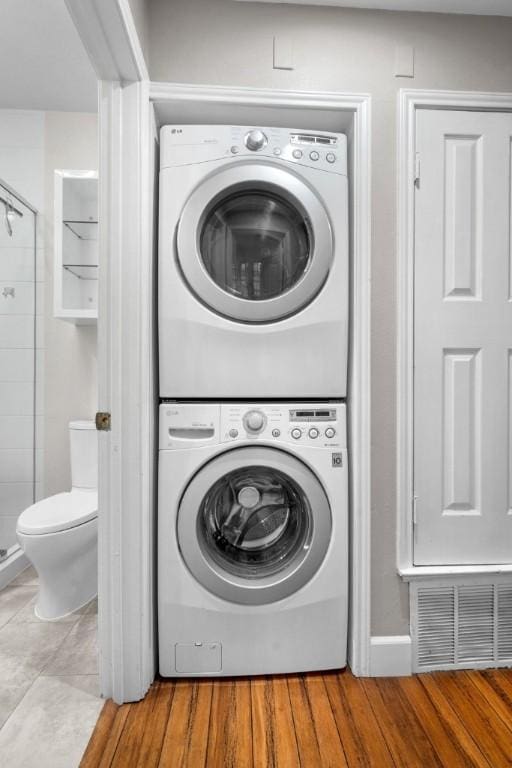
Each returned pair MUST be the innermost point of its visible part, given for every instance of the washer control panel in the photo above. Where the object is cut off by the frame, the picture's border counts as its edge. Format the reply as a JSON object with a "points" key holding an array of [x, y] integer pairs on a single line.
{"points": [[192, 425], [312, 424]]}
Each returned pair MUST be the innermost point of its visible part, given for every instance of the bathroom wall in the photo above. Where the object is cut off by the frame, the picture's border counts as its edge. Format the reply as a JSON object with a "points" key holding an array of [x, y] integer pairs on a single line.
{"points": [[32, 145], [229, 43], [21, 167], [71, 142]]}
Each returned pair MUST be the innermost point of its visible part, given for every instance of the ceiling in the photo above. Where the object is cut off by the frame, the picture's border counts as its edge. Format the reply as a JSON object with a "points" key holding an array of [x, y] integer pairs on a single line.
{"points": [[479, 7], [43, 64]]}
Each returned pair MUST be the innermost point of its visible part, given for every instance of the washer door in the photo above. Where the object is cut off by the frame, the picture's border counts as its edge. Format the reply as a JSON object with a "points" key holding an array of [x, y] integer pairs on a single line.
{"points": [[254, 525], [254, 243]]}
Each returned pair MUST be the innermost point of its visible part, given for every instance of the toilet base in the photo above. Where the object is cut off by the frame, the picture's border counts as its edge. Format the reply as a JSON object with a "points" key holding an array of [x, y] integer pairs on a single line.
{"points": [[38, 615], [67, 565]]}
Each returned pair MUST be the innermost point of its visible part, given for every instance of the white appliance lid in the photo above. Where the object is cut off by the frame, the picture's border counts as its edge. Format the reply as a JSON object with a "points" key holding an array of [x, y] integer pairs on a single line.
{"points": [[59, 513]]}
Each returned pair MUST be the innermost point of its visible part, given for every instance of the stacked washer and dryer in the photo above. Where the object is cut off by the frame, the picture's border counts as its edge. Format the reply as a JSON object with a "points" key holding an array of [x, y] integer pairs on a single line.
{"points": [[253, 338]]}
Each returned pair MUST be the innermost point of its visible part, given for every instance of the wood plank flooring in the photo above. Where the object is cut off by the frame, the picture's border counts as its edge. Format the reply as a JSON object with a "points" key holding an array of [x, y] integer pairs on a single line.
{"points": [[330, 720]]}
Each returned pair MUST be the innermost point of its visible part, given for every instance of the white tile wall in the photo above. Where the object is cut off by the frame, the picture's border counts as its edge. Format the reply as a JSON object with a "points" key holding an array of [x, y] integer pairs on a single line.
{"points": [[16, 465], [22, 168], [17, 332], [16, 298], [14, 496], [17, 364], [17, 263], [16, 399], [16, 432]]}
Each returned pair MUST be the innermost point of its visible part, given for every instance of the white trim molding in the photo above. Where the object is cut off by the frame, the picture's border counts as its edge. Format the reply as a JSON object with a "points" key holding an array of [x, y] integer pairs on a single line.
{"points": [[125, 345], [359, 378], [477, 7], [108, 33], [431, 573], [409, 102], [391, 656]]}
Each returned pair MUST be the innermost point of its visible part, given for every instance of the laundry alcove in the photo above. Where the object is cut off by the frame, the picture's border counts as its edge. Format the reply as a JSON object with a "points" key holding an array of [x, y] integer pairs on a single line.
{"points": [[131, 117]]}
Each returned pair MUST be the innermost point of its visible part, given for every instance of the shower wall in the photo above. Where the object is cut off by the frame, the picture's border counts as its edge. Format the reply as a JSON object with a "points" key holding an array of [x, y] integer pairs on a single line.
{"points": [[21, 294], [33, 144]]}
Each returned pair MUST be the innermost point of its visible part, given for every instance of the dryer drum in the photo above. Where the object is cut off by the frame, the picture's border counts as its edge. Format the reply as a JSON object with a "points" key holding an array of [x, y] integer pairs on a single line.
{"points": [[257, 540], [255, 245]]}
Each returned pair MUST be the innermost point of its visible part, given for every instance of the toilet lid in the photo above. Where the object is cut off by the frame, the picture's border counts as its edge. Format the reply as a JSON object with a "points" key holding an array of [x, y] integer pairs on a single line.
{"points": [[59, 513]]}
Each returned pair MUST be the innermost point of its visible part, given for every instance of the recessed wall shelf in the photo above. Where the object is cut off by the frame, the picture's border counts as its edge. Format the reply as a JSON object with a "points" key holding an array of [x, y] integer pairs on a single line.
{"points": [[83, 271], [76, 246], [85, 230]]}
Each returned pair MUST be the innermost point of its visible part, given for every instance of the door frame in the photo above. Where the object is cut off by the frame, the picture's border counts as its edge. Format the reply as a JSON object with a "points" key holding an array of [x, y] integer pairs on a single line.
{"points": [[409, 102]]}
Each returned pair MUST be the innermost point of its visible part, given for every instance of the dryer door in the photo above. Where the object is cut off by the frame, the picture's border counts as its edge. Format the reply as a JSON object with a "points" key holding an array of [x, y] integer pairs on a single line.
{"points": [[254, 243], [254, 525]]}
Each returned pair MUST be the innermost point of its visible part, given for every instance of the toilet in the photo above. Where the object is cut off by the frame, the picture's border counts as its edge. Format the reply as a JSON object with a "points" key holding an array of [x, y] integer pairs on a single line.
{"points": [[59, 534]]}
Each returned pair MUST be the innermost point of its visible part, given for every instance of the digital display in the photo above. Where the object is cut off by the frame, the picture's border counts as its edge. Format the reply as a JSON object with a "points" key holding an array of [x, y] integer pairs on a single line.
{"points": [[303, 415], [301, 138]]}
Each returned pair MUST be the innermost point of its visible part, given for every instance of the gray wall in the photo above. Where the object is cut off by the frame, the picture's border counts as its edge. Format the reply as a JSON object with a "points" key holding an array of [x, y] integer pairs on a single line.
{"points": [[228, 43], [139, 9], [71, 142]]}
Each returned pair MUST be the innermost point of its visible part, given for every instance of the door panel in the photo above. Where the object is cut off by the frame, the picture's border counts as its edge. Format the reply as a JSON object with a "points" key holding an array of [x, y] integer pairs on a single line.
{"points": [[463, 339]]}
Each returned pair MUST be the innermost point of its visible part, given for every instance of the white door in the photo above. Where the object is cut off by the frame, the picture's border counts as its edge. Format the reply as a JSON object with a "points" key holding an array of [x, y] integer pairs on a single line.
{"points": [[463, 339]]}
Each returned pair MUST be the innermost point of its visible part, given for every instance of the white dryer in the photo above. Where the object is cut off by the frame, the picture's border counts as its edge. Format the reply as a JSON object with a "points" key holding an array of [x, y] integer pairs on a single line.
{"points": [[252, 538], [253, 263]]}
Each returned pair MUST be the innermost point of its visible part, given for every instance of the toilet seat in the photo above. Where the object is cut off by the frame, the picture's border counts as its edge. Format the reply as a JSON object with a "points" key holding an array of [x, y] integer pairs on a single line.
{"points": [[59, 513]]}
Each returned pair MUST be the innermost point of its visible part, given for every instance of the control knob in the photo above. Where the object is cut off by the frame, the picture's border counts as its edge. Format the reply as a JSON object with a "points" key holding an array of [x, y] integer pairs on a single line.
{"points": [[255, 140], [254, 421]]}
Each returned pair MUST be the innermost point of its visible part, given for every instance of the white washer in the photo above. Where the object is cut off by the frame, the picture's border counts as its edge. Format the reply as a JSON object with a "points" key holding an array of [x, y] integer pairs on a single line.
{"points": [[252, 538], [253, 263]]}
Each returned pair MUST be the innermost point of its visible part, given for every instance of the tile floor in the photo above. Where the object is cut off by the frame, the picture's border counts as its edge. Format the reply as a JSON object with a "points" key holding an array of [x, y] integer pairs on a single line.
{"points": [[49, 693]]}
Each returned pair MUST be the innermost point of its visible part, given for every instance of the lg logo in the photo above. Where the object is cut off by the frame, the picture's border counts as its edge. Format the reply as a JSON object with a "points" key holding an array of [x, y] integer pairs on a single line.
{"points": [[176, 130]]}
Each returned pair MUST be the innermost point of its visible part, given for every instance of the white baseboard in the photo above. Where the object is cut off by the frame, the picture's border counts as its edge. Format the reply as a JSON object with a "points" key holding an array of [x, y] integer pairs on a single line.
{"points": [[390, 656]]}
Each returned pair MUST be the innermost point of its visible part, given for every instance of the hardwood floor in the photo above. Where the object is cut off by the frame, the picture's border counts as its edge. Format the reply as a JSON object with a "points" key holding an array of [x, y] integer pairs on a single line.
{"points": [[331, 720]]}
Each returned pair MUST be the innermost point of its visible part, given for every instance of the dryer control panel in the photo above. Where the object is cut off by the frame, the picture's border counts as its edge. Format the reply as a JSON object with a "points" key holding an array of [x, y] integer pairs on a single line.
{"points": [[321, 425], [191, 144]]}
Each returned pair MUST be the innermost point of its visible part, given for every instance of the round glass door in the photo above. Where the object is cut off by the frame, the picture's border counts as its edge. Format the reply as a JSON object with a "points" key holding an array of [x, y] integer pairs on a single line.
{"points": [[254, 243], [254, 525]]}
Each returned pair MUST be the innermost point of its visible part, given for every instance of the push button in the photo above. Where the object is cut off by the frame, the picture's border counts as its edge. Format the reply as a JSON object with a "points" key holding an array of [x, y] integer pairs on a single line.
{"points": [[276, 432], [314, 155], [313, 433], [296, 433], [297, 153], [233, 432], [330, 432], [330, 157]]}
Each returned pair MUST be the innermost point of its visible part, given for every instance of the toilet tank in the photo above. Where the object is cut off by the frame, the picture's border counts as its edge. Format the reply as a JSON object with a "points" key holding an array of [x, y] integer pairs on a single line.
{"points": [[84, 454]]}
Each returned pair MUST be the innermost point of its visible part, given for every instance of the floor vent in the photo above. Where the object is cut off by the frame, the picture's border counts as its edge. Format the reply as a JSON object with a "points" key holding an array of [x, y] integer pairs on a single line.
{"points": [[461, 626]]}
